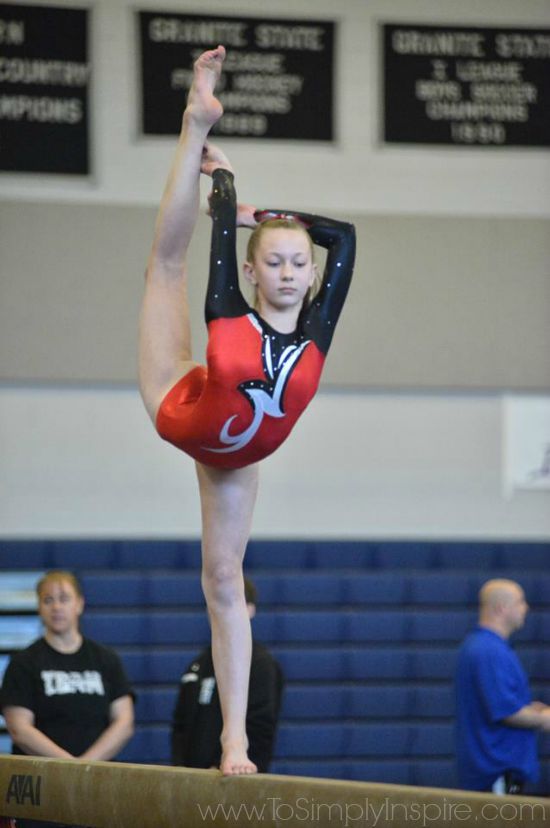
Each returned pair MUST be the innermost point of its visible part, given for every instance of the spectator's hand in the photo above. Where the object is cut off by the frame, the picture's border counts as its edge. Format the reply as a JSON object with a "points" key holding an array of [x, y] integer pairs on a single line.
{"points": [[545, 719]]}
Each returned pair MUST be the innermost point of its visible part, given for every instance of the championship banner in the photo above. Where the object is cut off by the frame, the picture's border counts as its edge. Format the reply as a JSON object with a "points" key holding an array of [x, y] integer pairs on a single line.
{"points": [[44, 86], [526, 444], [466, 86], [277, 79]]}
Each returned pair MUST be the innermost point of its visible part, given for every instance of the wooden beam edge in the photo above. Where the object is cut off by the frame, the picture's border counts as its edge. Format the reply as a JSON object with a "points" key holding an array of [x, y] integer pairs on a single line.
{"points": [[121, 795]]}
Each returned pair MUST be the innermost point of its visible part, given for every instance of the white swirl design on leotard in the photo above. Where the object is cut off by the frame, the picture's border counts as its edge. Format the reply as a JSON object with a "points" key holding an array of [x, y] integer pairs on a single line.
{"points": [[261, 400]]}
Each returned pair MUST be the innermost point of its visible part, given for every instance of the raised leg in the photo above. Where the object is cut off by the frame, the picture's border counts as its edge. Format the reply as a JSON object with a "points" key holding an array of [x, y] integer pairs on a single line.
{"points": [[164, 336], [227, 502]]}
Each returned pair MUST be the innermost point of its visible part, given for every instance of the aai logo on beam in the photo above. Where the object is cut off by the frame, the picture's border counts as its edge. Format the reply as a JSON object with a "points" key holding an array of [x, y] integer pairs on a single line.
{"points": [[24, 789]]}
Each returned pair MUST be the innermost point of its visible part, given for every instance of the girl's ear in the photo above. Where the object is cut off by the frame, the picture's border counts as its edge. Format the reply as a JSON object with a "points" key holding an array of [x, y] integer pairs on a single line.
{"points": [[248, 270]]}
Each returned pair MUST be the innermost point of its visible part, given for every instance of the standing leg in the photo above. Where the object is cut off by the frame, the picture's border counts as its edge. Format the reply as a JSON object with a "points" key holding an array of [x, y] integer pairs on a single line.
{"points": [[164, 335], [227, 502]]}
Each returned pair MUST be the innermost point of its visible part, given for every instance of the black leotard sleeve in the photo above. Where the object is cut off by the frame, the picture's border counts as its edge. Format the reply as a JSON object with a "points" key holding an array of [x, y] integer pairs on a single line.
{"points": [[319, 319], [223, 295]]}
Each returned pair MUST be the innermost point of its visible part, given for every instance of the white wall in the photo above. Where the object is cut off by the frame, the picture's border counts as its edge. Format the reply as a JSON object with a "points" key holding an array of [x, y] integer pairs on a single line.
{"points": [[86, 463], [357, 173]]}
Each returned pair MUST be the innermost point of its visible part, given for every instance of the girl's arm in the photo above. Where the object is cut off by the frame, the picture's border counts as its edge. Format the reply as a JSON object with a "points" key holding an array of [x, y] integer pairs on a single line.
{"points": [[223, 296]]}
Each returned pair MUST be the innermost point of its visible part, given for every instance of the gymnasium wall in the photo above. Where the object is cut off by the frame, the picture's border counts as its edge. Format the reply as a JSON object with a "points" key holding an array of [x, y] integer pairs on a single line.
{"points": [[449, 310], [437, 302]]}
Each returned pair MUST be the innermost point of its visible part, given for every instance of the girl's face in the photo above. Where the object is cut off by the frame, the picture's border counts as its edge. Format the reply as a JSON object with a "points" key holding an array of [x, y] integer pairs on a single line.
{"points": [[282, 269], [60, 607]]}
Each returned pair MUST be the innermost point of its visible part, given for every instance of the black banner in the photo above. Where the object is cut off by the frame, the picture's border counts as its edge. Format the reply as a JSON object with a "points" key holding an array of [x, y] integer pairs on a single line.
{"points": [[277, 80], [44, 80], [466, 86]]}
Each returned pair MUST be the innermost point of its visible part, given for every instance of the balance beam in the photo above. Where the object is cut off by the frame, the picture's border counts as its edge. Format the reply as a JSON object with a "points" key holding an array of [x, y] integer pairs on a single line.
{"points": [[116, 795]]}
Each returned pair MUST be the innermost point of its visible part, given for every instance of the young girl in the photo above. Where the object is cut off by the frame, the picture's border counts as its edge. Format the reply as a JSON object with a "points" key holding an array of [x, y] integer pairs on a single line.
{"points": [[263, 365]]}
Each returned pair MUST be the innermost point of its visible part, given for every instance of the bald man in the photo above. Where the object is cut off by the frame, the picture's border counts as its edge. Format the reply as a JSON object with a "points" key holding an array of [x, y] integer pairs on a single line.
{"points": [[496, 717]]}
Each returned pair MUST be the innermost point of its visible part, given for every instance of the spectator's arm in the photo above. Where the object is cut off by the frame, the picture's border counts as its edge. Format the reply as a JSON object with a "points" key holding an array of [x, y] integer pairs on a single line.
{"points": [[534, 716], [118, 733], [27, 737]]}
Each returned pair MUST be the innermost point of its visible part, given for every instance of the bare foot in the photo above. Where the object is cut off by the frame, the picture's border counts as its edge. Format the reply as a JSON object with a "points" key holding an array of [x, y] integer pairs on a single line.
{"points": [[235, 762], [202, 105]]}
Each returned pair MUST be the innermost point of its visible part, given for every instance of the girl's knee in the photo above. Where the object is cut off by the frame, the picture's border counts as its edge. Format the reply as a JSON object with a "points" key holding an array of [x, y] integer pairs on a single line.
{"points": [[223, 584]]}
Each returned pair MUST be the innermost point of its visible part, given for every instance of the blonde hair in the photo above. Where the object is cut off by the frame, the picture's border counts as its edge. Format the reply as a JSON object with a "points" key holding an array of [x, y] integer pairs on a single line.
{"points": [[56, 576], [282, 224]]}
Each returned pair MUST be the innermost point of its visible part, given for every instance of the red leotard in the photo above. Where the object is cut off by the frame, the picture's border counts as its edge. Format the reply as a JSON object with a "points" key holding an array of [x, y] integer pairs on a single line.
{"points": [[257, 382]]}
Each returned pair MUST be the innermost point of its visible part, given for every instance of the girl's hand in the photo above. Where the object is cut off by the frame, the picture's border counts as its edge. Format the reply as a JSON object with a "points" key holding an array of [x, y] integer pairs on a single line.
{"points": [[214, 159], [245, 214]]}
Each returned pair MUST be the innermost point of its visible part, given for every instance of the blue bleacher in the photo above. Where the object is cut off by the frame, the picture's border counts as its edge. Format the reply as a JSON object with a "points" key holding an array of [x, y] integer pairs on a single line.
{"points": [[155, 705], [132, 627], [482, 557], [366, 633]]}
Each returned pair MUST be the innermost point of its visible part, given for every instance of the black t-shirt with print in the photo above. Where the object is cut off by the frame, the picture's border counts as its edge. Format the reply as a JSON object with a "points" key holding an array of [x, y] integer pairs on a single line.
{"points": [[69, 693]]}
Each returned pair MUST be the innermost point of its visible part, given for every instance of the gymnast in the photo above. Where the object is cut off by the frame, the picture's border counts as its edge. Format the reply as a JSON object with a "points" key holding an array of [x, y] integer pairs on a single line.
{"points": [[263, 365]]}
